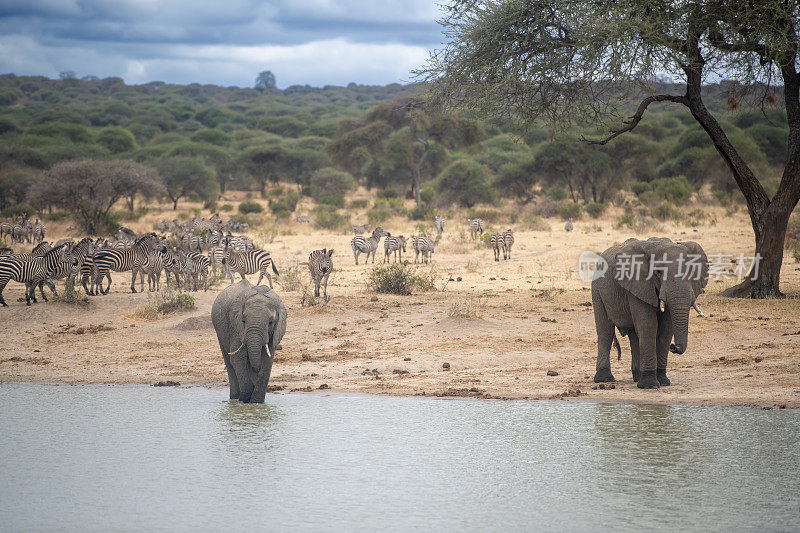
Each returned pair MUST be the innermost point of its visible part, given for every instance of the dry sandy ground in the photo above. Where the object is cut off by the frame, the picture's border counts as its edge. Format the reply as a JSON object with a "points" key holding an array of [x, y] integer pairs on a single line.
{"points": [[534, 317]]}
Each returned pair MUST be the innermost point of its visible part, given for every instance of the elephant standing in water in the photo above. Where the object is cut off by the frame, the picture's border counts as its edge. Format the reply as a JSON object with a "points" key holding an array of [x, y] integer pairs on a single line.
{"points": [[646, 292], [250, 322]]}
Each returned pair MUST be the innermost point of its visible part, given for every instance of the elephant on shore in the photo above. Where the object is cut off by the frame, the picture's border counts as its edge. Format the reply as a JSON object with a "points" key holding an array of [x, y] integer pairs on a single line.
{"points": [[250, 321], [646, 292]]}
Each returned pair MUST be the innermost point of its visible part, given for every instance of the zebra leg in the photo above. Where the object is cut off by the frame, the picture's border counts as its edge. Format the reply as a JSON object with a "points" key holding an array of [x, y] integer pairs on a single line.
{"points": [[108, 289], [133, 281], [326, 286], [316, 287]]}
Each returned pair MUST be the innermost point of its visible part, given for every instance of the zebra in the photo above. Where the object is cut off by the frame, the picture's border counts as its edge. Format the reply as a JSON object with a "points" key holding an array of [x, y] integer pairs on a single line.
{"points": [[174, 263], [422, 244], [508, 237], [191, 242], [305, 219], [368, 245], [38, 231], [475, 226], [6, 251], [7, 228], [67, 270], [152, 266], [358, 230], [396, 245], [196, 266], [248, 262], [31, 271], [438, 222], [498, 243], [239, 242], [320, 264], [215, 256], [121, 260], [568, 226]]}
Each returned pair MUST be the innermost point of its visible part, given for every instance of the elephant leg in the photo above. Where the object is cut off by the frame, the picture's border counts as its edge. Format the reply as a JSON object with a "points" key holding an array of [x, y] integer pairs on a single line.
{"points": [[261, 378], [241, 368], [645, 325], [634, 338], [233, 381], [662, 348], [605, 337]]}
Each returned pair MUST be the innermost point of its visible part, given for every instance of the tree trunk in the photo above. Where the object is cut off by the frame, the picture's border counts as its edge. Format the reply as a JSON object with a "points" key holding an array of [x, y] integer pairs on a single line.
{"points": [[417, 192], [131, 199], [175, 204]]}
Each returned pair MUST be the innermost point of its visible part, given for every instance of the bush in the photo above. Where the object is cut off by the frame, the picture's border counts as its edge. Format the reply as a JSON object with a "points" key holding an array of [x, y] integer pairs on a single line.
{"points": [[250, 207], [400, 278], [640, 187], [383, 210], [595, 209], [71, 296], [360, 203], [226, 207], [17, 210], [467, 307], [329, 181], [326, 217], [116, 139], [164, 303], [387, 193], [628, 220], [465, 182], [534, 223], [546, 208], [488, 215], [674, 190], [666, 211], [570, 210], [556, 192], [332, 199], [291, 279]]}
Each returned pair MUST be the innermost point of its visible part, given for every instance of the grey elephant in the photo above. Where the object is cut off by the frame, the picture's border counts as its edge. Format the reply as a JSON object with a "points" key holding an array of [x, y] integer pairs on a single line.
{"points": [[646, 292], [250, 321]]}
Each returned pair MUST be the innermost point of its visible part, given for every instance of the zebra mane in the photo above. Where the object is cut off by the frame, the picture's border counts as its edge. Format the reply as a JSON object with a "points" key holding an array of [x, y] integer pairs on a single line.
{"points": [[143, 237], [55, 250]]}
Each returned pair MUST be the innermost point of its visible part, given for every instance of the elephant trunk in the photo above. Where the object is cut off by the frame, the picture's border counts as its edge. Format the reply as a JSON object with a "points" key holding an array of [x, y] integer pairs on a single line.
{"points": [[255, 344], [679, 313]]}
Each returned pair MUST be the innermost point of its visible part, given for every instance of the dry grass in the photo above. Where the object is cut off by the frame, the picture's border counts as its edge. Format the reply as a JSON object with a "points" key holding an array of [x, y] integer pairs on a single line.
{"points": [[468, 307], [161, 304]]}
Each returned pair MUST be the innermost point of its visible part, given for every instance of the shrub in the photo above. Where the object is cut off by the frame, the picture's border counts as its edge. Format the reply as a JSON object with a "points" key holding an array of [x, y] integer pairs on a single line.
{"points": [[400, 278], [467, 307], [534, 223], [290, 279], [546, 208], [70, 296], [628, 220], [421, 213], [641, 186], [164, 303], [116, 139], [250, 207], [328, 180], [332, 199], [382, 210], [465, 182], [556, 192], [17, 210], [359, 203], [226, 207], [570, 210], [387, 193], [326, 217], [674, 190], [595, 209], [666, 211], [55, 216], [488, 215]]}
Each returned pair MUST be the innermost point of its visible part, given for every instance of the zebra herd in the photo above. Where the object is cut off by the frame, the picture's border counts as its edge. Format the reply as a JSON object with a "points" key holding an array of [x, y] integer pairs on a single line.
{"points": [[23, 230]]}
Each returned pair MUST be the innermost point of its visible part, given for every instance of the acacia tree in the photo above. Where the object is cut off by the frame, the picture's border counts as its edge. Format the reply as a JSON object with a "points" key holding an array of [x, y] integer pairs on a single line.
{"points": [[185, 176], [575, 61]]}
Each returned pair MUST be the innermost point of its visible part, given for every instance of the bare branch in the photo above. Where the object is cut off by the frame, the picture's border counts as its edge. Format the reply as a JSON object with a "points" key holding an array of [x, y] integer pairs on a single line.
{"points": [[631, 123]]}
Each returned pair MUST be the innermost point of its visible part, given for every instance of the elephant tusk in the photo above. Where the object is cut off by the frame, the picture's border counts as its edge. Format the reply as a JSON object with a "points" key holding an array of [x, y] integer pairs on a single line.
{"points": [[237, 351], [268, 352], [697, 308], [661, 305]]}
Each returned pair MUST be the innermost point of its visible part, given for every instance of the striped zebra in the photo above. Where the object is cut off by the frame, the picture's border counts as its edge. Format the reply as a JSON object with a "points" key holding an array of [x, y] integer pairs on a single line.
{"points": [[196, 267], [249, 262], [569, 226], [305, 219], [67, 270], [498, 243], [175, 262], [508, 237], [215, 256], [320, 265], [359, 230], [368, 245], [152, 267], [396, 245], [7, 228], [6, 251], [241, 243], [31, 271], [38, 231], [122, 260], [475, 226], [438, 222], [423, 245], [189, 242]]}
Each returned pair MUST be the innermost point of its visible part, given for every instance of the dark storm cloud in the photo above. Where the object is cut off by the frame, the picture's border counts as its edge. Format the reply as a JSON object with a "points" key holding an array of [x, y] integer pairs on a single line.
{"points": [[226, 42]]}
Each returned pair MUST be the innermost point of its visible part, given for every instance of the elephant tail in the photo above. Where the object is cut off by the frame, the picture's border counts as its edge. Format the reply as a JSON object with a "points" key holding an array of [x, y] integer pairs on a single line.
{"points": [[617, 346]]}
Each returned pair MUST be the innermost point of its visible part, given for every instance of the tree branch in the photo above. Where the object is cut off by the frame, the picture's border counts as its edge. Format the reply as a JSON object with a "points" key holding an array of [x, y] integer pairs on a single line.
{"points": [[632, 122]]}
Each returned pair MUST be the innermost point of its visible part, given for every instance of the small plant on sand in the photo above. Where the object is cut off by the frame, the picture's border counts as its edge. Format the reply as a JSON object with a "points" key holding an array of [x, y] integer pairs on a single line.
{"points": [[467, 307], [70, 296], [401, 278], [628, 220], [290, 279], [164, 303]]}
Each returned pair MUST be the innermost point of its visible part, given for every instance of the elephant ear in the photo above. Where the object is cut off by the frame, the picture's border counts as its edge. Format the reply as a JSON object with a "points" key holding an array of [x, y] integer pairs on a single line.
{"points": [[279, 320], [694, 250], [628, 278]]}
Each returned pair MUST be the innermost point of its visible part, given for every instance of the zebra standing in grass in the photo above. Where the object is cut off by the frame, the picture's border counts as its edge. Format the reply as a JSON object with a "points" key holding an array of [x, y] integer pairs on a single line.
{"points": [[152, 266], [248, 262], [498, 243], [38, 231], [67, 270], [320, 264], [196, 267], [359, 230], [368, 245], [7, 228], [508, 237], [475, 226], [438, 222], [423, 245], [569, 226], [396, 245], [122, 260], [31, 271], [215, 256], [174, 263]]}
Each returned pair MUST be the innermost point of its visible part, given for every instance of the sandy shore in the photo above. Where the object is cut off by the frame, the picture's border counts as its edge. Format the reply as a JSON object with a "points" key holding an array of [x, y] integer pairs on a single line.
{"points": [[534, 316]]}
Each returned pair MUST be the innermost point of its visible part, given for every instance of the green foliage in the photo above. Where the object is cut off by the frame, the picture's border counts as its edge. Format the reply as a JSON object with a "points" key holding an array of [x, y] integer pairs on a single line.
{"points": [[17, 210], [187, 177], [7, 125], [666, 211], [116, 140], [329, 181], [160, 304], [466, 183], [628, 220], [675, 190], [359, 203], [595, 209], [421, 213], [250, 207], [556, 192], [226, 207], [211, 136], [387, 193], [9, 96], [569, 210], [71, 297], [331, 199], [384, 210], [326, 217], [400, 278]]}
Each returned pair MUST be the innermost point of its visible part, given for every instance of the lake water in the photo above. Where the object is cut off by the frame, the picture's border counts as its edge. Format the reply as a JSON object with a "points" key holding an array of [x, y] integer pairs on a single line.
{"points": [[140, 458]]}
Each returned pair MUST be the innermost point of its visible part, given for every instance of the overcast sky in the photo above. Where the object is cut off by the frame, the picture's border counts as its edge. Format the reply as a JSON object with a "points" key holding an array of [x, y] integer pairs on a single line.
{"points": [[224, 42]]}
